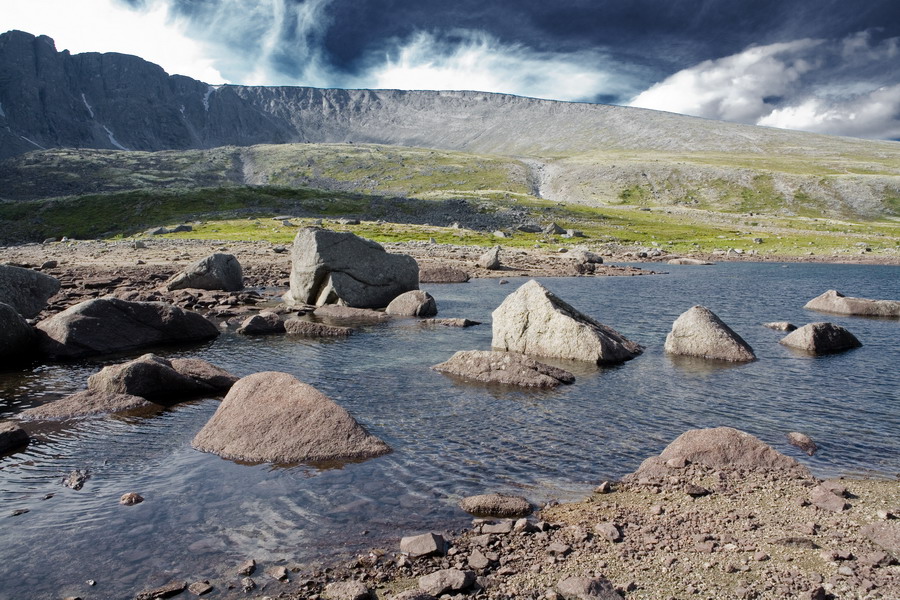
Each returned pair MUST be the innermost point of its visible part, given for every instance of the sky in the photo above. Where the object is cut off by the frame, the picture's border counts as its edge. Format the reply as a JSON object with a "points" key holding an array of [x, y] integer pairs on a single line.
{"points": [[827, 66]]}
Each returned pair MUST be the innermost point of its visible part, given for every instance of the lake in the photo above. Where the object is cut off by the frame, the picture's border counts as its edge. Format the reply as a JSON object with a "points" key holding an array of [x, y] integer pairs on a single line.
{"points": [[450, 439]]}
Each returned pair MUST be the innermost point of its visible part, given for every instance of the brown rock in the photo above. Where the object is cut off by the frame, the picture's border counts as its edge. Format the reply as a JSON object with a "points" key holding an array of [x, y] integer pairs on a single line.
{"points": [[17, 337], [441, 274], [780, 326], [26, 291], [490, 260], [163, 591], [827, 500], [508, 368], [206, 373], [198, 588], [446, 580], [587, 588], [277, 572], [821, 338], [885, 534], [450, 322], [87, 402], [347, 590], [215, 272], [496, 505], [151, 376], [11, 436], [423, 545], [415, 303], [247, 567], [304, 328], [608, 531], [348, 313], [263, 323], [130, 499], [802, 441]]}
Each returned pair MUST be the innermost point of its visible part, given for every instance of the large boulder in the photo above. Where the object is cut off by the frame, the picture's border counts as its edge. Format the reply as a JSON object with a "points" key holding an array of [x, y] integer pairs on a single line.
{"points": [[107, 325], [415, 303], [821, 338], [723, 448], [86, 403], [25, 290], [508, 368], [699, 332], [330, 267], [534, 321], [154, 377], [835, 302], [11, 436], [490, 260], [17, 338], [215, 272], [273, 417]]}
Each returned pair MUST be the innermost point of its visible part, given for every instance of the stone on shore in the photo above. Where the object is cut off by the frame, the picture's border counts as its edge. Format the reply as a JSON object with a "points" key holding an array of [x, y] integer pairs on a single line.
{"points": [[442, 274], [821, 338], [25, 290], [834, 302], [826, 499], [450, 322], [330, 267], [446, 580], [490, 260], [413, 595], [11, 436], [507, 368], [304, 328], [723, 448], [699, 332], [534, 321], [886, 535], [802, 441], [107, 325], [263, 323], [17, 338], [85, 403], [496, 505], [587, 588], [415, 303], [164, 591], [273, 417], [153, 377], [426, 544], [215, 272], [347, 590]]}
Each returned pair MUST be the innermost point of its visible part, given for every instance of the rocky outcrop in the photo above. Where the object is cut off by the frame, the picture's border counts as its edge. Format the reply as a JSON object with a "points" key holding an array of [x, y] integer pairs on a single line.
{"points": [[263, 323], [534, 321], [25, 290], [304, 328], [835, 302], [496, 505], [507, 368], [273, 417], [11, 437], [17, 338], [86, 403], [215, 272], [107, 325], [415, 303], [821, 338], [153, 377], [699, 332], [442, 274], [717, 448], [330, 267]]}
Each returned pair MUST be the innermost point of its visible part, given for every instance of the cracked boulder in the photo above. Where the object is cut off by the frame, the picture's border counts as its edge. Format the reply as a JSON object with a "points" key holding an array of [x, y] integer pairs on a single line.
{"points": [[331, 267]]}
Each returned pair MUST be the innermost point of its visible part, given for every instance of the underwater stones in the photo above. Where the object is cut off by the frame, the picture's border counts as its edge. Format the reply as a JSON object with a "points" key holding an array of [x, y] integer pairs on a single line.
{"points": [[534, 321], [780, 326], [508, 368], [821, 338], [834, 302], [215, 272], [699, 332], [274, 417]]}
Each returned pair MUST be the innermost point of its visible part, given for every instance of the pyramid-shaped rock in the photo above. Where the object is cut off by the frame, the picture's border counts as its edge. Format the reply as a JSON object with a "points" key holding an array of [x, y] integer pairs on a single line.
{"points": [[821, 338], [273, 417], [534, 321], [699, 332]]}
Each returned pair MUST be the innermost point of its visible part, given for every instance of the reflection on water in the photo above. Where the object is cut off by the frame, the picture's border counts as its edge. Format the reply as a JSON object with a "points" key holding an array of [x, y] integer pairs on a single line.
{"points": [[450, 439]]}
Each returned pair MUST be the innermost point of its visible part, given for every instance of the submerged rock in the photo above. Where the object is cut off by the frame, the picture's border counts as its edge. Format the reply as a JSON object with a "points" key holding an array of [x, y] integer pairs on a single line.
{"points": [[86, 403], [347, 313], [780, 326], [415, 303], [330, 267], [507, 368], [25, 290], [802, 441], [273, 417], [833, 301], [699, 332], [496, 505], [302, 327], [215, 272], [534, 321], [821, 338]]}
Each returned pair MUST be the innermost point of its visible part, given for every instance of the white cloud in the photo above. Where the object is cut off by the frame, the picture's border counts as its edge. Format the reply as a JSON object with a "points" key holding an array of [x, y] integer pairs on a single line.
{"points": [[827, 86]]}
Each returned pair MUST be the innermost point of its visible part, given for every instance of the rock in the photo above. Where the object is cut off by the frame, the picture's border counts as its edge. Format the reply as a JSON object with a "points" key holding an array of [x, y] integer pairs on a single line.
{"points": [[107, 325], [302, 327], [415, 303], [85, 403], [490, 260], [347, 590], [587, 257], [423, 545], [215, 272], [553, 229], [501, 528], [25, 290], [699, 332], [181, 229], [347, 313], [802, 441], [780, 326], [76, 479], [825, 499], [450, 322], [130, 499], [413, 595], [507, 368], [247, 584], [834, 302], [277, 572], [442, 274], [529, 228], [247, 567], [198, 588], [330, 267], [718, 448], [695, 262], [153, 377], [496, 505], [17, 338], [608, 531], [263, 323], [885, 534], [821, 338], [587, 588], [446, 580], [206, 373], [12, 437], [534, 321], [164, 591], [559, 549], [273, 417]]}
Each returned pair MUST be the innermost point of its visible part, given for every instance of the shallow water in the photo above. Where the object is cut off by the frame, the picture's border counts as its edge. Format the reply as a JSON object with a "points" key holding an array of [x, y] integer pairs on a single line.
{"points": [[450, 439]]}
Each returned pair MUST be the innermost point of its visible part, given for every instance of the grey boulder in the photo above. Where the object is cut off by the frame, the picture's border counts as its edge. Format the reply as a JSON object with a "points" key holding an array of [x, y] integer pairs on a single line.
{"points": [[699, 332], [273, 417], [153, 377], [835, 302], [821, 338], [496, 505], [262, 323], [490, 260], [215, 272], [534, 321], [17, 337], [107, 325], [330, 267], [415, 303], [426, 544], [86, 403], [507, 368], [25, 290]]}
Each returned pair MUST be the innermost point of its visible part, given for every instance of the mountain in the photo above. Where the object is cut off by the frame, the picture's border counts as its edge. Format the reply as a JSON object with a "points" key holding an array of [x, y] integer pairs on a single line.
{"points": [[585, 153]]}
